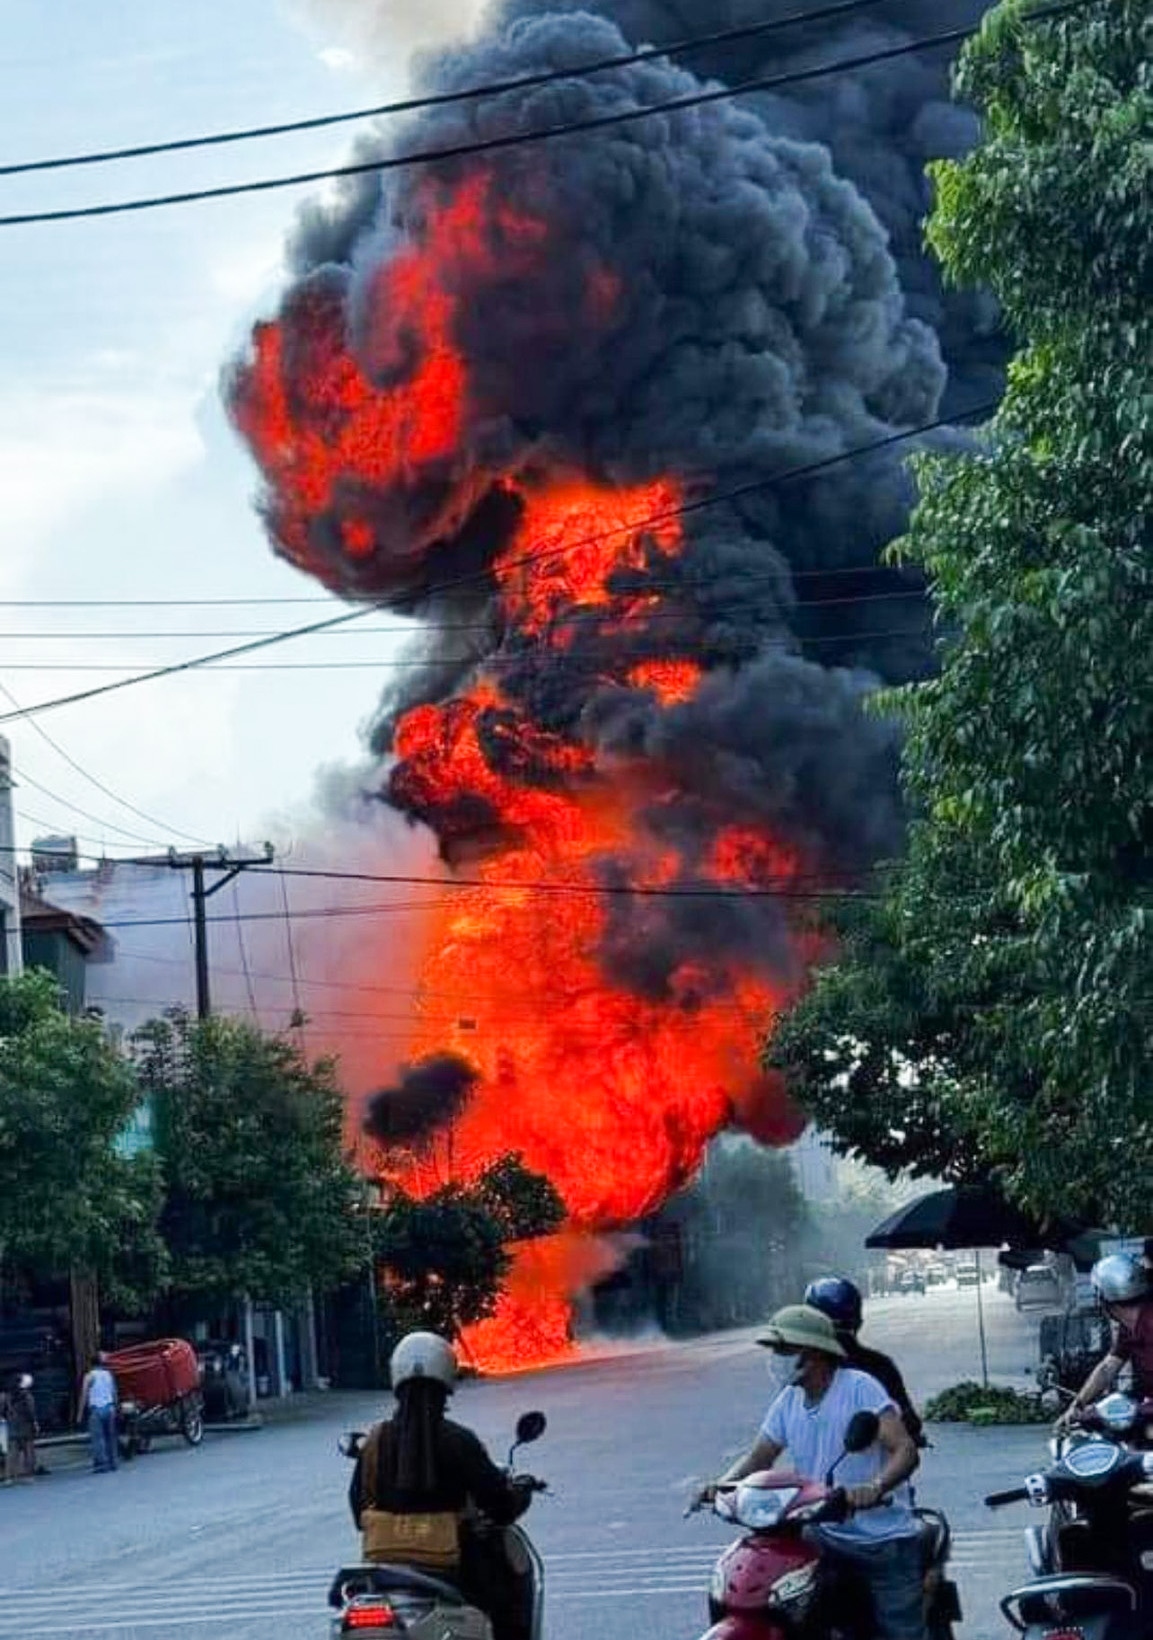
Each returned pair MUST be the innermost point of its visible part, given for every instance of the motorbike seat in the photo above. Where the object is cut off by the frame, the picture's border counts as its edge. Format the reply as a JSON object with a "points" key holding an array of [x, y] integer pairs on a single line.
{"points": [[386, 1577], [935, 1536]]}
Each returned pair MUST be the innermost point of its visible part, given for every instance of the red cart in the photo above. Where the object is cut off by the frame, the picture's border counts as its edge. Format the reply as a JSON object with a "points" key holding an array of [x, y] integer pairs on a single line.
{"points": [[159, 1387]]}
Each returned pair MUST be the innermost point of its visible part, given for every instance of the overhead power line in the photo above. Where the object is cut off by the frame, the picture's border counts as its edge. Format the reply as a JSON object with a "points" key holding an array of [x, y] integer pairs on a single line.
{"points": [[482, 662], [519, 139], [651, 584], [686, 509], [444, 99], [93, 780], [319, 599]]}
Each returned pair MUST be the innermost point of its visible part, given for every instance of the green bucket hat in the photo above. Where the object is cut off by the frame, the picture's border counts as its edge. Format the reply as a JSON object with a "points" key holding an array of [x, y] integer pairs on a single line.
{"points": [[802, 1328]]}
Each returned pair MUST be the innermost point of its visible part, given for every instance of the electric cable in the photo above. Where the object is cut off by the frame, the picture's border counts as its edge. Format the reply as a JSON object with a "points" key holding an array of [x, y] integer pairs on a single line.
{"points": [[442, 99], [109, 825], [520, 139], [807, 470], [85, 774]]}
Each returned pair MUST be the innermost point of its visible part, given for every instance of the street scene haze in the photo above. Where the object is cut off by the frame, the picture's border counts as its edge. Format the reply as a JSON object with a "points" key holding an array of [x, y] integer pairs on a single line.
{"points": [[575, 807]]}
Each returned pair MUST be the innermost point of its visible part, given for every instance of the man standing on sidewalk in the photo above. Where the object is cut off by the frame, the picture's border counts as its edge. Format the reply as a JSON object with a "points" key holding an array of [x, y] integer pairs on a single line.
{"points": [[98, 1399]]}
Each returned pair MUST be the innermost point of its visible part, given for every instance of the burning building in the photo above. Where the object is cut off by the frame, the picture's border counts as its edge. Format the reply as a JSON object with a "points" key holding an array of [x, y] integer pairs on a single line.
{"points": [[548, 397]]}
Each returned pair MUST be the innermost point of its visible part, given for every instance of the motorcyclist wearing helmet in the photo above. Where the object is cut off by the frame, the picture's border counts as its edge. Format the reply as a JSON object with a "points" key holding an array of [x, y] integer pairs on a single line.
{"points": [[1123, 1283], [817, 1394], [840, 1299], [421, 1481]]}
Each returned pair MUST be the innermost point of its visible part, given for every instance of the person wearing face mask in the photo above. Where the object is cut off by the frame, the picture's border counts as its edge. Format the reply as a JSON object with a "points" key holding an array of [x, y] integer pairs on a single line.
{"points": [[1124, 1287], [815, 1396]]}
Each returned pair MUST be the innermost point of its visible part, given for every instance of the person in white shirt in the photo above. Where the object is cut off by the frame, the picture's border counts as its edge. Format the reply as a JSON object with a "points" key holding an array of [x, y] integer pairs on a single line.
{"points": [[98, 1402], [817, 1396]]}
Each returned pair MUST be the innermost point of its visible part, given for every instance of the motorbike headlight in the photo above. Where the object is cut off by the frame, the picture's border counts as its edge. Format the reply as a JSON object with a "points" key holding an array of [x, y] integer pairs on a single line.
{"points": [[793, 1592], [129, 1407]]}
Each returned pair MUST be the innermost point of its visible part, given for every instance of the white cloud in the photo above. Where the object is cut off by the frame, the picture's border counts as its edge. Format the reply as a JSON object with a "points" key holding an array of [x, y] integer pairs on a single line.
{"points": [[62, 451]]}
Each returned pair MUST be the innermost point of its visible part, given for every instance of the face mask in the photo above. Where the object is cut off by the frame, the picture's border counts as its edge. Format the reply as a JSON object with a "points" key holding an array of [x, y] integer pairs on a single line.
{"points": [[784, 1372]]}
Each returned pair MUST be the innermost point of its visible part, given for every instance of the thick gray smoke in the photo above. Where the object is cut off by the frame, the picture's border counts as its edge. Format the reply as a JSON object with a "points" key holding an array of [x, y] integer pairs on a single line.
{"points": [[692, 296], [881, 125]]}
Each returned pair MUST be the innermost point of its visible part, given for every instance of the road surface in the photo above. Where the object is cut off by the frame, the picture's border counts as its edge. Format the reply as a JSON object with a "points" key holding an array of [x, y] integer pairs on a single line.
{"points": [[239, 1538]]}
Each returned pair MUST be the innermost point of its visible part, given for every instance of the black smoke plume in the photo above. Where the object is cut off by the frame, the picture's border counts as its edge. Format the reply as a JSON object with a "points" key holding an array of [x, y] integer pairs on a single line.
{"points": [[759, 324], [429, 1095]]}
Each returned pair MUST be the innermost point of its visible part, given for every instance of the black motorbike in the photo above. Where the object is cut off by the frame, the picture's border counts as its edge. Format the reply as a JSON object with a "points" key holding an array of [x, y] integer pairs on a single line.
{"points": [[1093, 1559], [396, 1600]]}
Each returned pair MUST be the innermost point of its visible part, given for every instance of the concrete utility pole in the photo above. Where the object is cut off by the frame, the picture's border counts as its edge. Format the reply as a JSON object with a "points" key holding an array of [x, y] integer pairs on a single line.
{"points": [[231, 865]]}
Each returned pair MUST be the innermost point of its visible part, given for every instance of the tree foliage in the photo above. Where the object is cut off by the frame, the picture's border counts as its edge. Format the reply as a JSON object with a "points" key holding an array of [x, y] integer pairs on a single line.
{"points": [[442, 1260], [992, 1011], [524, 1204], [69, 1199], [259, 1199]]}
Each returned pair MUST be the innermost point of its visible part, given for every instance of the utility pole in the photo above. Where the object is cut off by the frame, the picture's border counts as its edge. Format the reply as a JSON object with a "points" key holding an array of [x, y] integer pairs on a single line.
{"points": [[231, 865]]}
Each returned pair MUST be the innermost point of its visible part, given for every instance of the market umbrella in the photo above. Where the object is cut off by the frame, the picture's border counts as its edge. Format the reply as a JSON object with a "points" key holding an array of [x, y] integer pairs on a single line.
{"points": [[963, 1216]]}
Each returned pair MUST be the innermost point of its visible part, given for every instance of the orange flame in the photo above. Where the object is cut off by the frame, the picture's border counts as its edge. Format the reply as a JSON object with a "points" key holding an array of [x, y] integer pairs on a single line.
{"points": [[610, 1092]]}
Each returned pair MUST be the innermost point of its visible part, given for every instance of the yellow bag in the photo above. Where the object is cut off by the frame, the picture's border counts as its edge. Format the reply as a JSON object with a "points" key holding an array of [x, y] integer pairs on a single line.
{"points": [[431, 1542]]}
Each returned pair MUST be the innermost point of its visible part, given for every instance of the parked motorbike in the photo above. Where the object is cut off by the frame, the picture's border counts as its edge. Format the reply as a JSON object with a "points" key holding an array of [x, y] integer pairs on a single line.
{"points": [[399, 1600], [774, 1583], [1093, 1559]]}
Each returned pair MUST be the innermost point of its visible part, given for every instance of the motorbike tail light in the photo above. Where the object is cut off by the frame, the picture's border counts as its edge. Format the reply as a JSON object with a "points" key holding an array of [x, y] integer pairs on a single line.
{"points": [[1064, 1634], [367, 1616]]}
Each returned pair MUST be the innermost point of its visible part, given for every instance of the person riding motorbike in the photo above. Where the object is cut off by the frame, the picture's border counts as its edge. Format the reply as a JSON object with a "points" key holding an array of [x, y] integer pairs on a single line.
{"points": [[817, 1394], [840, 1299], [423, 1487], [1123, 1283]]}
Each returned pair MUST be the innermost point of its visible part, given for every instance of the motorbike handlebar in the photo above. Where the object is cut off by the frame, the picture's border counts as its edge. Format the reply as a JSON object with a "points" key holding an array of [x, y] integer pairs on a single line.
{"points": [[1015, 1494]]}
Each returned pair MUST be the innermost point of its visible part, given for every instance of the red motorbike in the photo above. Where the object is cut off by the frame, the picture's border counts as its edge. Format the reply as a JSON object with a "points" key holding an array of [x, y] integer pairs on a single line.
{"points": [[774, 1584]]}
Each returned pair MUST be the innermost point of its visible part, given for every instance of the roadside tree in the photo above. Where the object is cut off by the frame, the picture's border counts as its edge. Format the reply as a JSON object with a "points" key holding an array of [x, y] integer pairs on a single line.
{"points": [[69, 1200], [992, 1011], [259, 1198]]}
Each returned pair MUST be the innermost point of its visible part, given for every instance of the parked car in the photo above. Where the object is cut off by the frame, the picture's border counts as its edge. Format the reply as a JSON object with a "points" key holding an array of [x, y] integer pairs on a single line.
{"points": [[1038, 1284], [936, 1275], [968, 1275]]}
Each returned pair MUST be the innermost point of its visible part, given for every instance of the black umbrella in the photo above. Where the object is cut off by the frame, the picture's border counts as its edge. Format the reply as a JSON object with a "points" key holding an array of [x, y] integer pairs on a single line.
{"points": [[963, 1216]]}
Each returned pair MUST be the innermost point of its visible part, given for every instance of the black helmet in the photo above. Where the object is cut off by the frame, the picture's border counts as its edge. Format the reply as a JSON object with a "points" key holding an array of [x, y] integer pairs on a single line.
{"points": [[839, 1299]]}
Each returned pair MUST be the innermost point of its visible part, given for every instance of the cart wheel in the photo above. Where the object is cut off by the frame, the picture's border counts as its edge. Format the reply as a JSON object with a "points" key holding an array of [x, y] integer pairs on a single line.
{"points": [[192, 1422]]}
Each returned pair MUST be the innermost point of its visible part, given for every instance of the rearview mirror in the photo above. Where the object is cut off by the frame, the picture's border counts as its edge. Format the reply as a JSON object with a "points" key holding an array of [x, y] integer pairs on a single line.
{"points": [[864, 1427], [530, 1426], [350, 1443]]}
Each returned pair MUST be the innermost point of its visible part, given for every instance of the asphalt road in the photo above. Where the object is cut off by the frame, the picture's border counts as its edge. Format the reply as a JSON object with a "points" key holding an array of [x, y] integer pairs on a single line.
{"points": [[240, 1537]]}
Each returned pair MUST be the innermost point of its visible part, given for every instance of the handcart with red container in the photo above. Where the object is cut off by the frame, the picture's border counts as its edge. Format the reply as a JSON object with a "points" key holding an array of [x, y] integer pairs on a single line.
{"points": [[159, 1388]]}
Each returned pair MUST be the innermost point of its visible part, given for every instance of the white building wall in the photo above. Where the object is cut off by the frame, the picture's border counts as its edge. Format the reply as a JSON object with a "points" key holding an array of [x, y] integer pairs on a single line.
{"points": [[10, 954]]}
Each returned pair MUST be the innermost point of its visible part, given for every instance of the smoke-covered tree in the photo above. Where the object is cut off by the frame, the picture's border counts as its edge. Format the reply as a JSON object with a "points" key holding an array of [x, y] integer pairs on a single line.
{"points": [[441, 1260], [259, 1199], [523, 1203], [993, 1011], [68, 1198]]}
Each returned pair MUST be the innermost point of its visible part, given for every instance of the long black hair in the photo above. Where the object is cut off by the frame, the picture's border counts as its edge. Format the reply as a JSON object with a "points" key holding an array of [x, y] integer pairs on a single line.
{"points": [[412, 1463]]}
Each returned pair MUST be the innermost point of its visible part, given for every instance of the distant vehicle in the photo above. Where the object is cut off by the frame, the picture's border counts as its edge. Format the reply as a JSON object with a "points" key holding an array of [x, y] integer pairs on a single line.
{"points": [[912, 1281], [936, 1275], [968, 1275], [1038, 1284]]}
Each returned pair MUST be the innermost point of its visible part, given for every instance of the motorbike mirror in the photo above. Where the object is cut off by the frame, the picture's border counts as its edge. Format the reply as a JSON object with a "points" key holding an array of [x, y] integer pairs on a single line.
{"points": [[350, 1443], [864, 1427], [530, 1426]]}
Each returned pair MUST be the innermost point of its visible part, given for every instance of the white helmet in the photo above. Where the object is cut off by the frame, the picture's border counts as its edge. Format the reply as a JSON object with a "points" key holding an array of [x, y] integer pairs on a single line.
{"points": [[1122, 1278], [423, 1355]]}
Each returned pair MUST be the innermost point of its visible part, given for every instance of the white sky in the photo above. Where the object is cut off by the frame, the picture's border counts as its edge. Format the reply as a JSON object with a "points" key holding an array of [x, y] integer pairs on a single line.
{"points": [[119, 476]]}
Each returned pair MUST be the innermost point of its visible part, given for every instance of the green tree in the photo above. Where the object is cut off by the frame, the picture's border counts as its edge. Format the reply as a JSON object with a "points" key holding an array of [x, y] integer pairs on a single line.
{"points": [[991, 1013], [68, 1198], [524, 1204], [259, 1199], [442, 1260]]}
